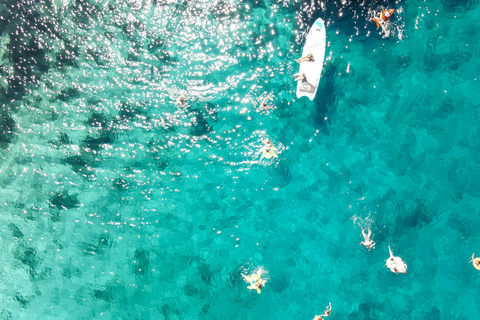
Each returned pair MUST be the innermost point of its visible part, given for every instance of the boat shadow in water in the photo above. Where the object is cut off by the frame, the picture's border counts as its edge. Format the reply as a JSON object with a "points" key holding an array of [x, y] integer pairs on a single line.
{"points": [[325, 99]]}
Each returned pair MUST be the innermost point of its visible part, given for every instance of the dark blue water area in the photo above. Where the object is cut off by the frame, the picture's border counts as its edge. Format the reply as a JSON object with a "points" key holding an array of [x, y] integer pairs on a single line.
{"points": [[122, 202]]}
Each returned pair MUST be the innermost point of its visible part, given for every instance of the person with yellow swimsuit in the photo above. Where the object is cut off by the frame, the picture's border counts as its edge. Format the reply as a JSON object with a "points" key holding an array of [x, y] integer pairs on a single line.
{"points": [[255, 280]]}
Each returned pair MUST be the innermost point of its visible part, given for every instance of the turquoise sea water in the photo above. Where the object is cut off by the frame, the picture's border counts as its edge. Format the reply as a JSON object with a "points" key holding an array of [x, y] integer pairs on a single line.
{"points": [[118, 203]]}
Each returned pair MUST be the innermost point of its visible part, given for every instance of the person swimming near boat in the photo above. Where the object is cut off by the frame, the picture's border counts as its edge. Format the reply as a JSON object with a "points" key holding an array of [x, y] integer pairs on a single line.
{"points": [[299, 76], [264, 106], [255, 280], [382, 18], [268, 151], [396, 264], [367, 242], [308, 57], [325, 314], [475, 262]]}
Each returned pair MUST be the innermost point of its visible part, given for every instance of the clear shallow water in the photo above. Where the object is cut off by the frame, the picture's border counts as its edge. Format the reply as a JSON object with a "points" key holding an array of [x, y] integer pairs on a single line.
{"points": [[119, 203]]}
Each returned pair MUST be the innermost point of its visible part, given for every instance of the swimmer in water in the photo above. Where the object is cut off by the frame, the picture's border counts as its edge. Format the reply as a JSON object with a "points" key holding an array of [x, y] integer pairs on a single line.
{"points": [[308, 57], [396, 264], [299, 76], [367, 242], [326, 313], [181, 100], [255, 280], [268, 150], [263, 106], [475, 262], [382, 18]]}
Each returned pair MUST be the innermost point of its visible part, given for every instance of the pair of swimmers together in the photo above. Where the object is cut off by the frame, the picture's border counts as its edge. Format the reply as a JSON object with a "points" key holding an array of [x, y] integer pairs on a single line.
{"points": [[256, 282], [395, 264], [268, 151]]}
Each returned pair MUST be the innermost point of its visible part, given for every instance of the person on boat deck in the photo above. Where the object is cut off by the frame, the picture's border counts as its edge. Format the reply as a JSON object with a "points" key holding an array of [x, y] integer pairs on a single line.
{"points": [[308, 57], [367, 242], [326, 313], [299, 76]]}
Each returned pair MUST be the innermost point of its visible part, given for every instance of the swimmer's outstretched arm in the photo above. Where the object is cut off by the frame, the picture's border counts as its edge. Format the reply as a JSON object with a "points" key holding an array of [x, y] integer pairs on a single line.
{"points": [[264, 102], [363, 234], [329, 308], [247, 278], [391, 253], [326, 313], [375, 17]]}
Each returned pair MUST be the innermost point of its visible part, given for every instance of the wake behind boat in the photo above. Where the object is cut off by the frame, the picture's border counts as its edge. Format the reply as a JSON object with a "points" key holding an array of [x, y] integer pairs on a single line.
{"points": [[311, 69]]}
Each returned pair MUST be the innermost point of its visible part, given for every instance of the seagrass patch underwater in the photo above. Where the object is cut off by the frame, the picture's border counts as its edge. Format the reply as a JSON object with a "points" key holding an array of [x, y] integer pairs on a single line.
{"points": [[131, 185]]}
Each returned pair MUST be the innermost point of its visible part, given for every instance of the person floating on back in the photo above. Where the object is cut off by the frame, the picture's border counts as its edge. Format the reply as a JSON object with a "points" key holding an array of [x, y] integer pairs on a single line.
{"points": [[255, 280], [367, 242], [308, 57], [325, 314], [396, 264], [268, 151], [382, 18]]}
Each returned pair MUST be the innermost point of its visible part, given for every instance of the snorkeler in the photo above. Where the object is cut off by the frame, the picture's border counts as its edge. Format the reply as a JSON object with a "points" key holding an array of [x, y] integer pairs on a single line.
{"points": [[367, 242], [475, 262], [255, 280], [299, 76], [268, 150], [396, 264], [308, 57], [326, 313]]}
